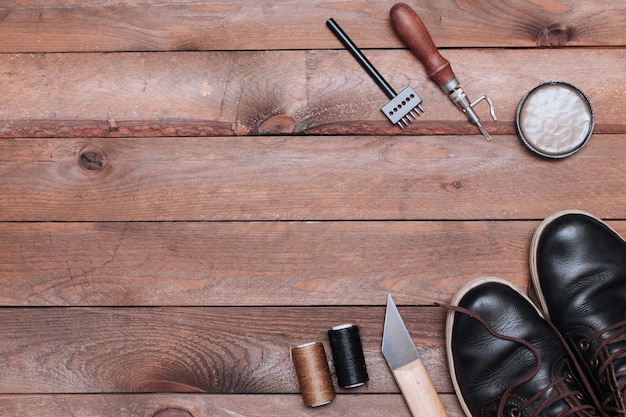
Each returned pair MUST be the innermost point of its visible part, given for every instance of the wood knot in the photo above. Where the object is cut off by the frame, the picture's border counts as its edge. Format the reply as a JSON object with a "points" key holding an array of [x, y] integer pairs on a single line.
{"points": [[92, 160], [173, 412], [281, 123], [555, 34], [453, 185]]}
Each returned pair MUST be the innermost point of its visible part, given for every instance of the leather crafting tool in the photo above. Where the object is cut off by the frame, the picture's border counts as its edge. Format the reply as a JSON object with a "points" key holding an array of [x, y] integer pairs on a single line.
{"points": [[407, 367], [413, 32], [403, 108]]}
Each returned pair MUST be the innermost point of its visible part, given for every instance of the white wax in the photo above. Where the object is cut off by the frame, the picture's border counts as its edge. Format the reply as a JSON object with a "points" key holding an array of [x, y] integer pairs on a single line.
{"points": [[555, 119]]}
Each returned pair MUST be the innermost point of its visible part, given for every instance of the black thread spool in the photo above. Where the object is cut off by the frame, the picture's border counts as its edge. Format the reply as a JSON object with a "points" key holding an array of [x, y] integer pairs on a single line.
{"points": [[350, 368]]}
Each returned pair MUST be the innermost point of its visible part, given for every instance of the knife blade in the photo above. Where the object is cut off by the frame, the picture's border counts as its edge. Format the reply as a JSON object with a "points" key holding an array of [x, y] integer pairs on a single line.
{"points": [[407, 367]]}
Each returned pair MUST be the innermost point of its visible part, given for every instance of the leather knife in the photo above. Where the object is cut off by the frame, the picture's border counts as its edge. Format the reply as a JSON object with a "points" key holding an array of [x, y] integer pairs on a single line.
{"points": [[407, 367]]}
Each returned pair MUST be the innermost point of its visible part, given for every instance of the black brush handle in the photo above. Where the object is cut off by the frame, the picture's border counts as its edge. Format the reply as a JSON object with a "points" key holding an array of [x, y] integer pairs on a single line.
{"points": [[358, 55]]}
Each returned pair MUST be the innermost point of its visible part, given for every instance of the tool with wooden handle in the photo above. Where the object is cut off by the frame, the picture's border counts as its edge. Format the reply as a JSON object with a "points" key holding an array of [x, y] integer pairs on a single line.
{"points": [[407, 367], [414, 34], [404, 107]]}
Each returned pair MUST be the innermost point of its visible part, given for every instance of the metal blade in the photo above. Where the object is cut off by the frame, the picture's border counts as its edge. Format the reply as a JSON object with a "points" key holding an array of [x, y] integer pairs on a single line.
{"points": [[398, 347]]}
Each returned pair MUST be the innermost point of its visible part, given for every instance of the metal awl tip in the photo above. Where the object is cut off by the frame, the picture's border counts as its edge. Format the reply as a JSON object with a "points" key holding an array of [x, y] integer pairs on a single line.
{"points": [[483, 131]]}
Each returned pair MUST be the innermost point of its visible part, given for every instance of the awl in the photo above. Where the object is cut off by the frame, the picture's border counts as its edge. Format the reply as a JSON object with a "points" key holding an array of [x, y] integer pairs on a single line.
{"points": [[414, 34], [407, 367]]}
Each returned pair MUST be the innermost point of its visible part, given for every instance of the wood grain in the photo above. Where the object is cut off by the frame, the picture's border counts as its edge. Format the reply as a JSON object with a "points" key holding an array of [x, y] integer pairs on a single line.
{"points": [[159, 25], [188, 189], [214, 350], [198, 405], [305, 178], [312, 92], [256, 264]]}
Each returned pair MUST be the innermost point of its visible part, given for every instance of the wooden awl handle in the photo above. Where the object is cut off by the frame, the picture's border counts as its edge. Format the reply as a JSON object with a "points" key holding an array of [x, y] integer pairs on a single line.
{"points": [[414, 34]]}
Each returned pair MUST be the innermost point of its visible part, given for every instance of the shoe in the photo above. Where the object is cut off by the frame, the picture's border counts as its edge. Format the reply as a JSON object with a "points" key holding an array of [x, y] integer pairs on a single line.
{"points": [[506, 360], [578, 271]]}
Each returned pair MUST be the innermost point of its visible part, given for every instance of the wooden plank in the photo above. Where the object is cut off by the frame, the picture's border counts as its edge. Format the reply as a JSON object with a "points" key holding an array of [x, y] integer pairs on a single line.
{"points": [[198, 405], [214, 350], [159, 25], [171, 223], [304, 178], [274, 263], [311, 92], [256, 264]]}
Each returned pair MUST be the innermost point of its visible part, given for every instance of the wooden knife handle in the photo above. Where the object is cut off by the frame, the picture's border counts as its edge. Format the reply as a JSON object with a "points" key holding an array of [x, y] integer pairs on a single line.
{"points": [[418, 390], [414, 34]]}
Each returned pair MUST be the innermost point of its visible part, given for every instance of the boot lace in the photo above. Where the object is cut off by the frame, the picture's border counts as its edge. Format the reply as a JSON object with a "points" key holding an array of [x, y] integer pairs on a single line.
{"points": [[605, 338], [574, 396]]}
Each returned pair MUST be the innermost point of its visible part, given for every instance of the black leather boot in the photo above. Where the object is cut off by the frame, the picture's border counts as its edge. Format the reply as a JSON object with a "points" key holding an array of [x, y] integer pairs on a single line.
{"points": [[506, 360], [578, 269]]}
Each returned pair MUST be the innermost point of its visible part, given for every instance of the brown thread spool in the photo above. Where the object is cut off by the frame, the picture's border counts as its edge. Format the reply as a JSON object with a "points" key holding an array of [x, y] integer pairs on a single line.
{"points": [[316, 383]]}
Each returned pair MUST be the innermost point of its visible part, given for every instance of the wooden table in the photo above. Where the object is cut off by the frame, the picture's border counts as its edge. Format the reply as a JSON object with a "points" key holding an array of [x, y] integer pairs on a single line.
{"points": [[191, 188]]}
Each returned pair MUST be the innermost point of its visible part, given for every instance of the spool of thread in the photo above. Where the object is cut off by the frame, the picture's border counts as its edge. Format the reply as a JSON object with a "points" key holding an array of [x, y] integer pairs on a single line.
{"points": [[316, 383], [350, 368]]}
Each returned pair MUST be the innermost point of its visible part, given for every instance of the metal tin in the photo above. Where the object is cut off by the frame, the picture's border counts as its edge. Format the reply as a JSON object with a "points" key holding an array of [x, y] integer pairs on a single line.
{"points": [[554, 119]]}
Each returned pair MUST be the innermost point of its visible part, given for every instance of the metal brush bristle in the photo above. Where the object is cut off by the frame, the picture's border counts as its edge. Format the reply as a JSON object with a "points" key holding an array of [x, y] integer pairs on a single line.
{"points": [[410, 117]]}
